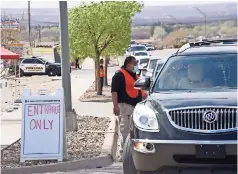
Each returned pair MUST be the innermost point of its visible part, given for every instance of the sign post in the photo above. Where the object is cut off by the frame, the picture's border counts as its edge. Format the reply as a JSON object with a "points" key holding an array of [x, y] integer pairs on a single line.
{"points": [[43, 126]]}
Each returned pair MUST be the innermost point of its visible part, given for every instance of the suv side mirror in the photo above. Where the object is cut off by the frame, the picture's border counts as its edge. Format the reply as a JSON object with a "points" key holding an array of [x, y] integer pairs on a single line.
{"points": [[143, 83]]}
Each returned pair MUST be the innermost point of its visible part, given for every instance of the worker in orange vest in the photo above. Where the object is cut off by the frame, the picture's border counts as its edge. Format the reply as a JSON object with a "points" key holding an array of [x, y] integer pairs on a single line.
{"points": [[124, 95], [102, 74]]}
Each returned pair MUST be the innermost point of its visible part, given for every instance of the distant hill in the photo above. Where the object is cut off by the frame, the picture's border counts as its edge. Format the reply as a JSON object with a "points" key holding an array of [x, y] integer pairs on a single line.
{"points": [[148, 16]]}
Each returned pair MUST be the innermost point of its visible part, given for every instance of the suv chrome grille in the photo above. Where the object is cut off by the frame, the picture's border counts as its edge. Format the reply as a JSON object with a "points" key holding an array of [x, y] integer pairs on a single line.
{"points": [[204, 119]]}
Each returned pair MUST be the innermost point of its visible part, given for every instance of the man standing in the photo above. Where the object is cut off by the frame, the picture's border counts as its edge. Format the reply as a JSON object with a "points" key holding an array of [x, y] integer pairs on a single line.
{"points": [[124, 95], [101, 73], [77, 63]]}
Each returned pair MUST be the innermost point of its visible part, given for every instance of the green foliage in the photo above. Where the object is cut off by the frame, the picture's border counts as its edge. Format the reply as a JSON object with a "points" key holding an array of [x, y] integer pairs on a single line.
{"points": [[101, 28], [223, 28], [168, 28], [159, 32]]}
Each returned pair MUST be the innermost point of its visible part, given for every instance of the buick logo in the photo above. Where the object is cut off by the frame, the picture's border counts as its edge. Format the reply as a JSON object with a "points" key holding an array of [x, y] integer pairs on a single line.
{"points": [[210, 116]]}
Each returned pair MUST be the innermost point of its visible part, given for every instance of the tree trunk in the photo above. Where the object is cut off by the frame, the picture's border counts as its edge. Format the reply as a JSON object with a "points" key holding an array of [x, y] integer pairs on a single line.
{"points": [[106, 62], [98, 82], [95, 68]]}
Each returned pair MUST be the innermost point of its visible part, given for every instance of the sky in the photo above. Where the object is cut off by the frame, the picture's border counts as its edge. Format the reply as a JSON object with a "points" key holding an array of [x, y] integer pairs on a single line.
{"points": [[55, 4]]}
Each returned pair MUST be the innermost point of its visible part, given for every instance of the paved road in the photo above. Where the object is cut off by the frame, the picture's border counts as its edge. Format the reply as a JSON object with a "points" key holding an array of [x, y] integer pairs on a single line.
{"points": [[115, 168]]}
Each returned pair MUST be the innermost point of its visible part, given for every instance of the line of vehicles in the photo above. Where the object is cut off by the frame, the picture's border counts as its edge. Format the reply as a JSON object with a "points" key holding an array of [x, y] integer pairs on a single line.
{"points": [[146, 62], [148, 46], [40, 66], [188, 123]]}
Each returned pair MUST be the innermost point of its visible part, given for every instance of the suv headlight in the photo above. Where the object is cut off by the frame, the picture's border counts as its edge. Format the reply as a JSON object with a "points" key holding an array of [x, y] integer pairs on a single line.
{"points": [[145, 118]]}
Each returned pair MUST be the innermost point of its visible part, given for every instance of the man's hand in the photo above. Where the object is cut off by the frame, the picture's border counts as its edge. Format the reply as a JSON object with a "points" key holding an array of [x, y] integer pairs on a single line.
{"points": [[116, 110], [144, 97]]}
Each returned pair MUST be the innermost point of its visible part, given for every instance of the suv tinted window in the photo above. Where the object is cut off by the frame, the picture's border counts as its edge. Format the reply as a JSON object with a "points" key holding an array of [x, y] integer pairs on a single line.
{"points": [[197, 72], [28, 61]]}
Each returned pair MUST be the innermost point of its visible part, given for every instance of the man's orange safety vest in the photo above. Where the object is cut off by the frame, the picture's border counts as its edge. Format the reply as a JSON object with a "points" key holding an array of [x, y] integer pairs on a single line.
{"points": [[129, 82], [102, 72]]}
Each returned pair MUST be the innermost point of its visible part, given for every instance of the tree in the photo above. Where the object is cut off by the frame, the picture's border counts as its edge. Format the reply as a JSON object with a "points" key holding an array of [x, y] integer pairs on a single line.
{"points": [[115, 49], [96, 26]]}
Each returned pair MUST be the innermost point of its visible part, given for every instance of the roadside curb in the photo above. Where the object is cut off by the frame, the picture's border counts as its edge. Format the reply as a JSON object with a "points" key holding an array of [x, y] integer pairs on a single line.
{"points": [[110, 141], [107, 156]]}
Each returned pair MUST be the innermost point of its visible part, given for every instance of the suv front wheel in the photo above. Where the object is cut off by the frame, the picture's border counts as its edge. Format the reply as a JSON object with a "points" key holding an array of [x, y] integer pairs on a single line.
{"points": [[128, 163]]}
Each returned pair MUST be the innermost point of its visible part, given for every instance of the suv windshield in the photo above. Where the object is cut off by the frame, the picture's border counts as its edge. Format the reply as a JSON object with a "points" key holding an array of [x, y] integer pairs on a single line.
{"points": [[153, 64], [138, 48], [197, 72], [149, 45], [141, 54]]}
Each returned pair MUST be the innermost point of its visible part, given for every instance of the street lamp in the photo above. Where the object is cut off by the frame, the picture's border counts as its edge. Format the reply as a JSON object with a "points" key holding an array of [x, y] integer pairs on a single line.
{"points": [[205, 17], [172, 17], [223, 16]]}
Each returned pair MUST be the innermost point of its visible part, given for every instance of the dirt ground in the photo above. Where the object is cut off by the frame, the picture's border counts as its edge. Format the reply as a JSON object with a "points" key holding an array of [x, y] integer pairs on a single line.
{"points": [[91, 95], [85, 143]]}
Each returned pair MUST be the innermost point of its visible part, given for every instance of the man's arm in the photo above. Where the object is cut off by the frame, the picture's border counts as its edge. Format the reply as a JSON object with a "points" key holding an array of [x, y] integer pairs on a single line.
{"points": [[116, 109], [114, 99], [114, 90]]}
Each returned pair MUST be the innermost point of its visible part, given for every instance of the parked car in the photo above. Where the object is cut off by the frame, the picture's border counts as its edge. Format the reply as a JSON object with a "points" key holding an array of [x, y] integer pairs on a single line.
{"points": [[188, 123], [142, 62], [151, 66], [157, 68], [139, 54], [135, 48], [39, 66], [133, 42], [150, 47]]}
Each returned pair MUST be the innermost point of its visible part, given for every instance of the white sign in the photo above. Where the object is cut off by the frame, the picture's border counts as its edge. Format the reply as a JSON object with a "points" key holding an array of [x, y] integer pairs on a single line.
{"points": [[42, 125], [7, 23]]}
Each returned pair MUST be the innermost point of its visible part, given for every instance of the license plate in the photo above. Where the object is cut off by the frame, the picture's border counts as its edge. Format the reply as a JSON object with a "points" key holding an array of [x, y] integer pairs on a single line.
{"points": [[210, 151]]}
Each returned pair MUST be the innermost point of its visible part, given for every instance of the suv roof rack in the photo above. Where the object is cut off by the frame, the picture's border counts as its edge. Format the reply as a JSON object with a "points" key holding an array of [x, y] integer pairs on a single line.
{"points": [[205, 42]]}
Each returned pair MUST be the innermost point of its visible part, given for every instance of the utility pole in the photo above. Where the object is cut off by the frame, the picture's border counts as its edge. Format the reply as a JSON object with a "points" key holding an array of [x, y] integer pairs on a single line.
{"points": [[172, 17], [71, 121], [29, 25], [162, 31], [39, 30], [205, 18]]}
